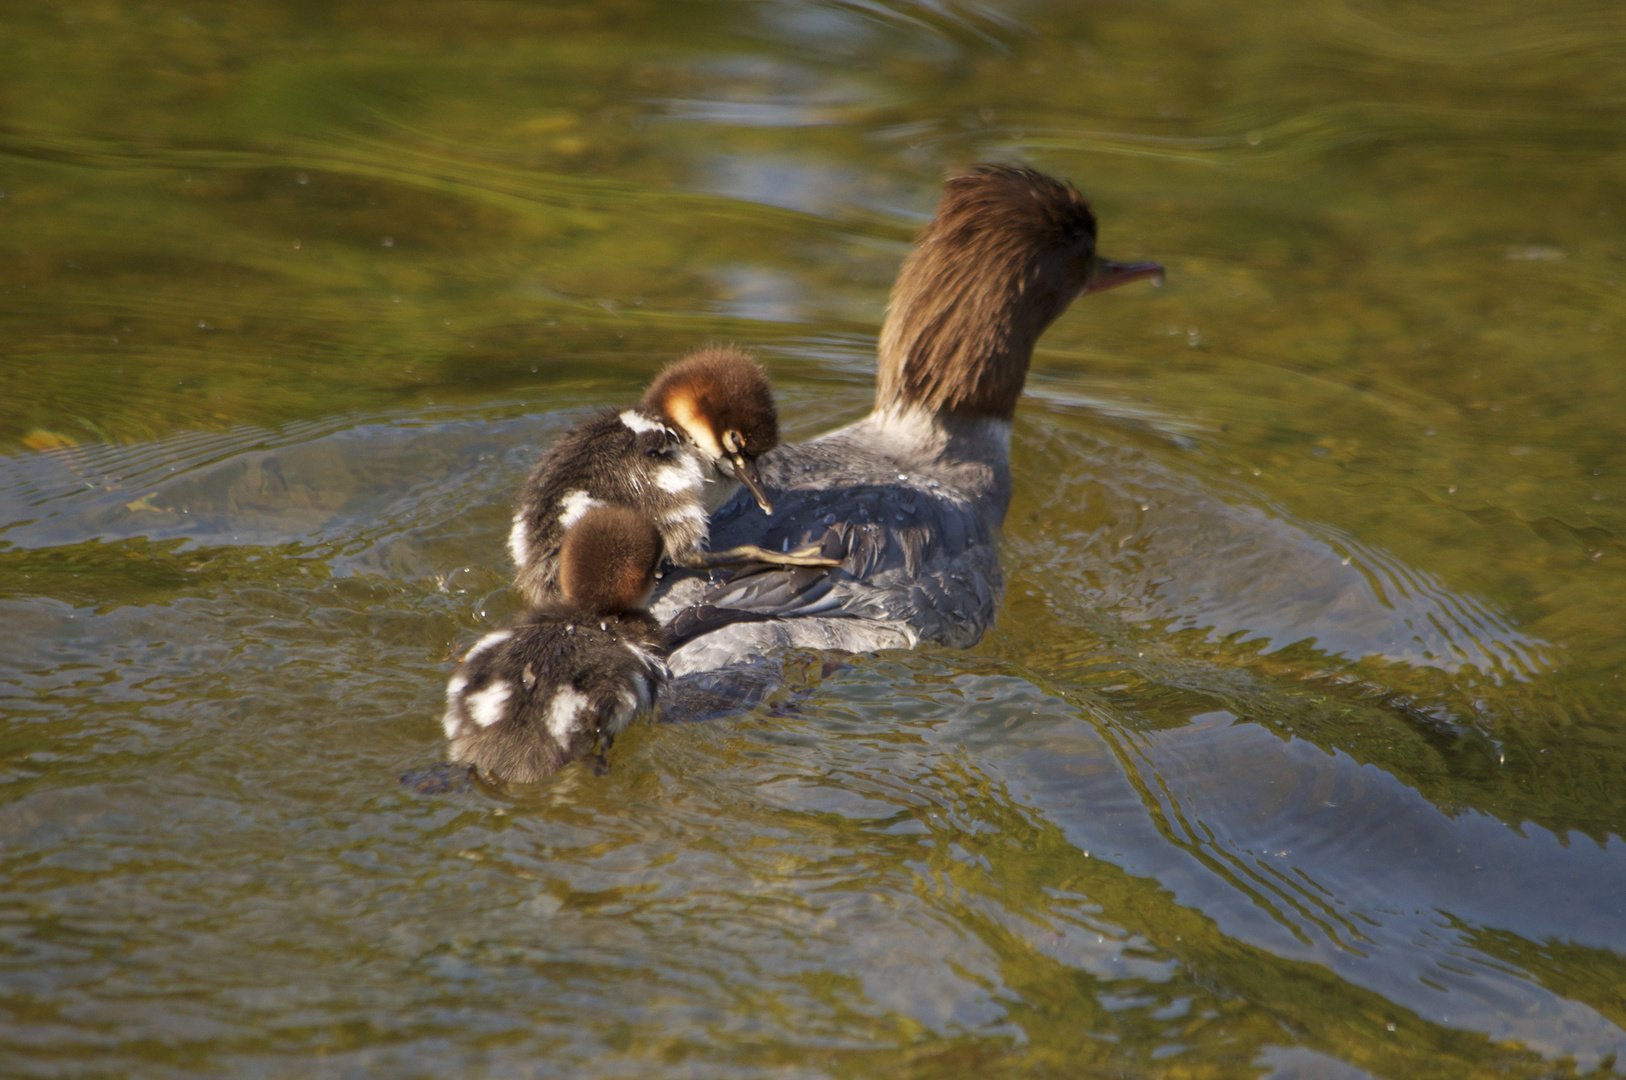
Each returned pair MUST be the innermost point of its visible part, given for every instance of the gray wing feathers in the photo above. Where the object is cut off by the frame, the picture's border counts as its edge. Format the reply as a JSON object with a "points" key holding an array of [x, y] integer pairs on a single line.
{"points": [[918, 564]]}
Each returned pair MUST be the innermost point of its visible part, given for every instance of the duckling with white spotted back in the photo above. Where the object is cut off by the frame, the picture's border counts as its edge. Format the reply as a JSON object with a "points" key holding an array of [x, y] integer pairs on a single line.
{"points": [[676, 456], [561, 681]]}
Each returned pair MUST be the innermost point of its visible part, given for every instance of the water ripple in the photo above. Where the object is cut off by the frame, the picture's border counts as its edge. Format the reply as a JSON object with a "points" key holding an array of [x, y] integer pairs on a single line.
{"points": [[1159, 547]]}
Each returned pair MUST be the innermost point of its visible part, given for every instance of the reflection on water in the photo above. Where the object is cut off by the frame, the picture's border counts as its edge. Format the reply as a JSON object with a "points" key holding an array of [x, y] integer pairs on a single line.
{"points": [[1295, 751]]}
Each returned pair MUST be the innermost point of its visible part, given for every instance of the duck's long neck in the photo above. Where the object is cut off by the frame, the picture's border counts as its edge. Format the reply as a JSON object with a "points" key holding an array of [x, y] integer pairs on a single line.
{"points": [[961, 326], [969, 454]]}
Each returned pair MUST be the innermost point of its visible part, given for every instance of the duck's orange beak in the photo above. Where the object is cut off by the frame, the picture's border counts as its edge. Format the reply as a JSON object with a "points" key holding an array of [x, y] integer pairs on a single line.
{"points": [[746, 471], [1106, 274]]}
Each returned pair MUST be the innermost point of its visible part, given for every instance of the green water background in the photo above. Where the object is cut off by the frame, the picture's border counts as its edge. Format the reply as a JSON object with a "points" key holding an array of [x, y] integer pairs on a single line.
{"points": [[1297, 751]]}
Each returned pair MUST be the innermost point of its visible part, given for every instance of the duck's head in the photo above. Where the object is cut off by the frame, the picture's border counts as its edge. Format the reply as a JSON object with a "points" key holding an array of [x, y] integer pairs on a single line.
{"points": [[1008, 250], [607, 561], [721, 400]]}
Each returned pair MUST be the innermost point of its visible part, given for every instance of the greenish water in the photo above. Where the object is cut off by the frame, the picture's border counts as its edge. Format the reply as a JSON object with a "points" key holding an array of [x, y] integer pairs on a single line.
{"points": [[1298, 751]]}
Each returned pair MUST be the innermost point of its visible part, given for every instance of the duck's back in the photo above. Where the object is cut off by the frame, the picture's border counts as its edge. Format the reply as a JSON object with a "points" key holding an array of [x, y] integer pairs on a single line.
{"points": [[917, 532]]}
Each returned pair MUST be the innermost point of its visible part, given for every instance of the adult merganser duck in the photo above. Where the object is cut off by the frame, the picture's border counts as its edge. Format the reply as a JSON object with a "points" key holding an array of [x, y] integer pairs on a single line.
{"points": [[911, 498], [562, 680], [676, 456]]}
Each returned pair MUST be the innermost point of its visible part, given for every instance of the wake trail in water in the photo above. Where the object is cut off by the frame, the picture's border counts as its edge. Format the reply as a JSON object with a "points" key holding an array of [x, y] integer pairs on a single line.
{"points": [[343, 484], [1164, 548]]}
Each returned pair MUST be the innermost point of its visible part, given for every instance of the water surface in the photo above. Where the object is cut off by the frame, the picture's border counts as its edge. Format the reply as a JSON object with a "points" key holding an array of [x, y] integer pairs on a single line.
{"points": [[1296, 750]]}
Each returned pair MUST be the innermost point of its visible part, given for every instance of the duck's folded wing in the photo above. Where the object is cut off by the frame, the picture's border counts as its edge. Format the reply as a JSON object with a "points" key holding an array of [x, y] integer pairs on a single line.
{"points": [[909, 556]]}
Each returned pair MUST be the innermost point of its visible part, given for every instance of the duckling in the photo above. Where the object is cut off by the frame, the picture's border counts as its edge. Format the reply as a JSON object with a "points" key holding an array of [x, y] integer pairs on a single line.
{"points": [[676, 456], [563, 679]]}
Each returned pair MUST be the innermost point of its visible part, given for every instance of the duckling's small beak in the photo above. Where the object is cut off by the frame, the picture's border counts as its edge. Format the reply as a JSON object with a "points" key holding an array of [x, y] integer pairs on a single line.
{"points": [[1106, 274], [746, 471]]}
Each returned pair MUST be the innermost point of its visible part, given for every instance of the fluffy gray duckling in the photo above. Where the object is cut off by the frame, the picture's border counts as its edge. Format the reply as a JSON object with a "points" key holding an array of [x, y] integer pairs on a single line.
{"points": [[562, 680], [675, 457]]}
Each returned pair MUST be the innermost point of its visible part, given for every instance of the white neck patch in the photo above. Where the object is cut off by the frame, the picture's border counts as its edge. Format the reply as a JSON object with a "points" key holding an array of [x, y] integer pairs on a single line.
{"points": [[639, 424], [680, 476]]}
